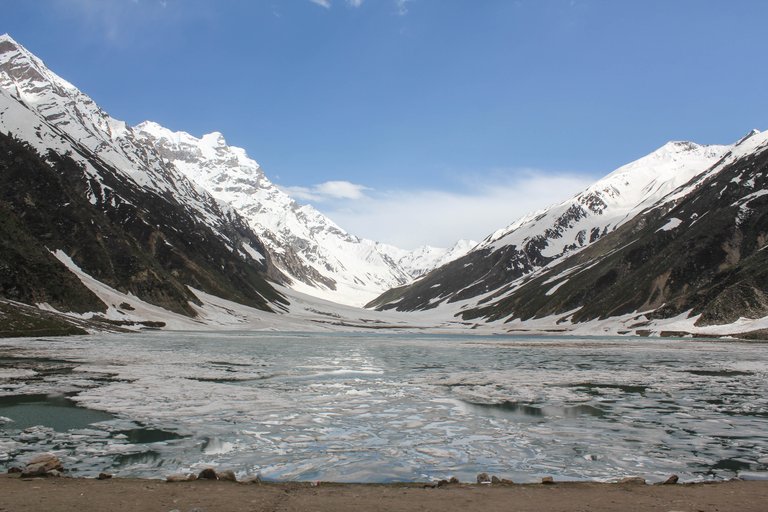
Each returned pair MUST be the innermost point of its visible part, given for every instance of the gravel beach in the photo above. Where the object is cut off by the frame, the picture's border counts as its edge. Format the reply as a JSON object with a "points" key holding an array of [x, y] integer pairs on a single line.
{"points": [[132, 495]]}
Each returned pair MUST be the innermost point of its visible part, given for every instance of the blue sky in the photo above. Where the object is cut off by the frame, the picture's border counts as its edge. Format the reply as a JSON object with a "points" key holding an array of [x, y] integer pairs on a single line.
{"points": [[458, 115]]}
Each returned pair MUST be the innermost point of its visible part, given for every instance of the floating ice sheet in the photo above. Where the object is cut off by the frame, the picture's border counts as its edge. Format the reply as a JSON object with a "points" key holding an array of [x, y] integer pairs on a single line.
{"points": [[388, 407]]}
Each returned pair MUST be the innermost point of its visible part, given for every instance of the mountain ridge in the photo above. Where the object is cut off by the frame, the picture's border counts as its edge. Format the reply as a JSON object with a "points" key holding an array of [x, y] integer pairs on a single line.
{"points": [[659, 263], [325, 260], [124, 225], [111, 204]]}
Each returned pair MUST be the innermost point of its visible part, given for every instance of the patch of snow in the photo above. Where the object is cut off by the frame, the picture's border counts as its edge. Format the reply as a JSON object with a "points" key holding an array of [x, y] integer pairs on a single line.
{"points": [[256, 255], [556, 287], [670, 225]]}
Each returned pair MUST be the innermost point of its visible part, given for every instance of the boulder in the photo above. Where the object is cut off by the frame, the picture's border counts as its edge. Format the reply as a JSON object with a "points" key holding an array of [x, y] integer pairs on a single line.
{"points": [[252, 479], [506, 481], [483, 478], [227, 475], [208, 474], [14, 469], [104, 476], [41, 465], [495, 480], [547, 480], [453, 480], [671, 480]]}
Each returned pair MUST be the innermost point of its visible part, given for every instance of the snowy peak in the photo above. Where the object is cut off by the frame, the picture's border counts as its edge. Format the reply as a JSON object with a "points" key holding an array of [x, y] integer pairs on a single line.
{"points": [[422, 260], [613, 200], [29, 72], [547, 237], [96, 193], [26, 78], [320, 257]]}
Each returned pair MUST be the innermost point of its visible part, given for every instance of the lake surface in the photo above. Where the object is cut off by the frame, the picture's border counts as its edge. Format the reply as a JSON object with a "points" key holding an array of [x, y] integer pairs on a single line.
{"points": [[387, 407]]}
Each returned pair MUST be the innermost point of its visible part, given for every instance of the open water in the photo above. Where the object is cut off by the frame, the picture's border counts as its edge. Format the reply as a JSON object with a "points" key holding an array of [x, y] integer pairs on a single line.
{"points": [[384, 407]]}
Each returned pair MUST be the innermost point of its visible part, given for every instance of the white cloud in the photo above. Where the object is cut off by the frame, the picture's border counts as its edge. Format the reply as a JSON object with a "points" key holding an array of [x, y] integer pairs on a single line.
{"points": [[328, 191], [355, 3], [411, 218], [322, 3]]}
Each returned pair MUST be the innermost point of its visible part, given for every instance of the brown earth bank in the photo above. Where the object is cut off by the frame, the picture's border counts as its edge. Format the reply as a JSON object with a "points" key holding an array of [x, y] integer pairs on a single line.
{"points": [[129, 495]]}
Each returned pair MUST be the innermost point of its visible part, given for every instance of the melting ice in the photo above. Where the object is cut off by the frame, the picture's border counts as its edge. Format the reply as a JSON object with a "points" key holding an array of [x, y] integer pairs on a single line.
{"points": [[387, 407]]}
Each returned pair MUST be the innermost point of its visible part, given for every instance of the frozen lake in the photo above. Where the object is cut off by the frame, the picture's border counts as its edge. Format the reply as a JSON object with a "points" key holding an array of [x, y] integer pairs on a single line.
{"points": [[387, 407]]}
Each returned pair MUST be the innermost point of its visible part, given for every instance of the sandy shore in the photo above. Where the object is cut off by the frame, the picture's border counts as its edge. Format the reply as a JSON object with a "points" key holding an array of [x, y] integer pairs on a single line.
{"points": [[128, 495]]}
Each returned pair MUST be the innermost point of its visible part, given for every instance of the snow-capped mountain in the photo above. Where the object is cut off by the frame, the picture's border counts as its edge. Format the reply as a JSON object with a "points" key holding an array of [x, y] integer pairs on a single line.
{"points": [[420, 261], [216, 183], [320, 257], [111, 205], [695, 260], [545, 237]]}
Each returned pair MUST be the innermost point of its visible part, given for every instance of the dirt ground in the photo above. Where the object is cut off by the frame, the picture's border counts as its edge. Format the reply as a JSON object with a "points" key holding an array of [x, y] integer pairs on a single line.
{"points": [[128, 495]]}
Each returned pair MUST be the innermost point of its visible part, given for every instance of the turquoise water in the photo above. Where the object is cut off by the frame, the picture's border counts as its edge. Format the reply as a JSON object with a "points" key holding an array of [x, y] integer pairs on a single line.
{"points": [[388, 407], [54, 411]]}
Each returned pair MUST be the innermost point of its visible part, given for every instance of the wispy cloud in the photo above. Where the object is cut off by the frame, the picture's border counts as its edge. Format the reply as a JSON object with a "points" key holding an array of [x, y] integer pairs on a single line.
{"points": [[411, 218], [116, 19], [402, 6], [328, 191]]}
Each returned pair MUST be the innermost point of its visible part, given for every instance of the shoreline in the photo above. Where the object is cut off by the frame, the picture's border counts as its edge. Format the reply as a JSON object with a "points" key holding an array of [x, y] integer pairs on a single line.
{"points": [[137, 495]]}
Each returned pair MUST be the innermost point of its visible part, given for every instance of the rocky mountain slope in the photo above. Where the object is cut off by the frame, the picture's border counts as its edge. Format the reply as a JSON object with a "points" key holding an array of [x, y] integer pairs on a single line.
{"points": [[77, 183], [544, 237], [320, 257], [151, 213], [698, 253], [681, 232]]}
